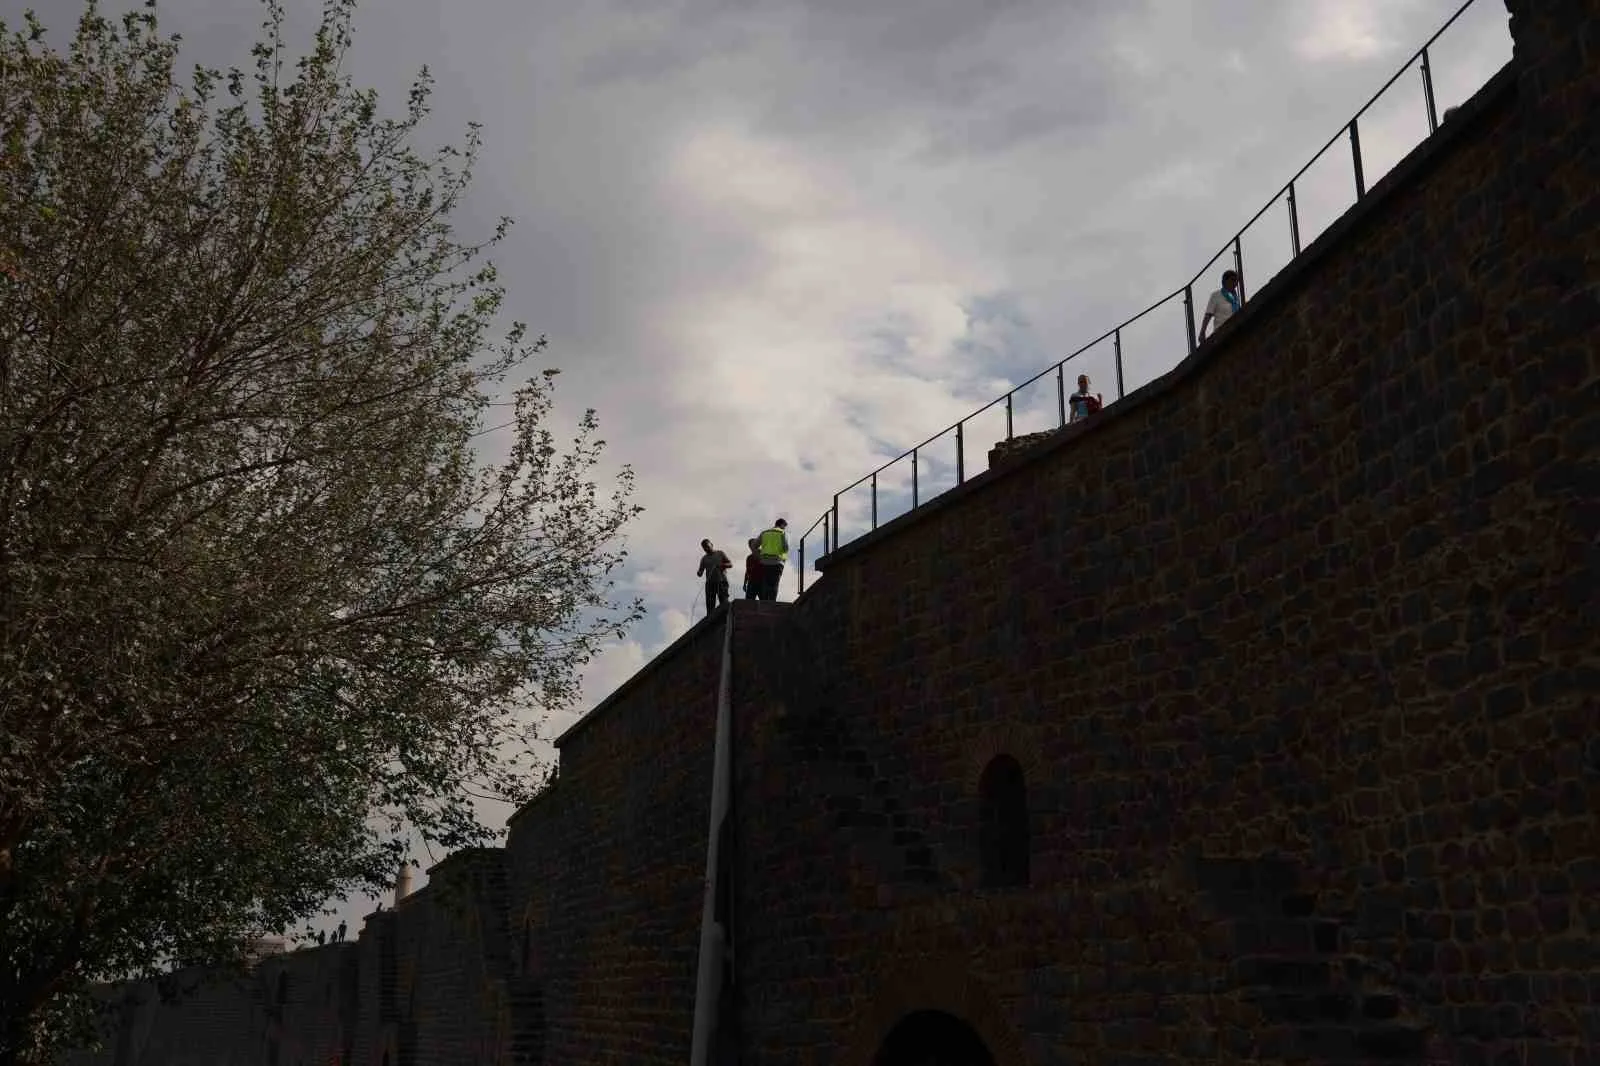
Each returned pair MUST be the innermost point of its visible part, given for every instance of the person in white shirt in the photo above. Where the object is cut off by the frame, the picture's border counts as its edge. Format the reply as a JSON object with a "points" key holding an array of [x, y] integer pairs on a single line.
{"points": [[1224, 303], [714, 565], [1083, 403]]}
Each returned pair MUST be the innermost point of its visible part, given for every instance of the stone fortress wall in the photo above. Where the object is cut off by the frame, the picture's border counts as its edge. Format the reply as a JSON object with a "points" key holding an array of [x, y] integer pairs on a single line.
{"points": [[1253, 720]]}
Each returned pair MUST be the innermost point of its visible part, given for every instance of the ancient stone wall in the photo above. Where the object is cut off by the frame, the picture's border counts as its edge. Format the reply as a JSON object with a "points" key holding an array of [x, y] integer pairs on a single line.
{"points": [[1252, 720], [1296, 651], [607, 868]]}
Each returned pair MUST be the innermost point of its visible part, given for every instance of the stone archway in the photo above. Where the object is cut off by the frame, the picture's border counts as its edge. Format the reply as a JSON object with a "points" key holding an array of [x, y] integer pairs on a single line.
{"points": [[932, 1038], [937, 994]]}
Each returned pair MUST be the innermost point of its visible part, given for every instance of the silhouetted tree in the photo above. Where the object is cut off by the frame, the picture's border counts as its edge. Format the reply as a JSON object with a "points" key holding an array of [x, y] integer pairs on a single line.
{"points": [[261, 603]]}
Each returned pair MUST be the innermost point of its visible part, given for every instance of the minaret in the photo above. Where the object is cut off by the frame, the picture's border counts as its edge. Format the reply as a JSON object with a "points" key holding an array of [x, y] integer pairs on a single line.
{"points": [[402, 882]]}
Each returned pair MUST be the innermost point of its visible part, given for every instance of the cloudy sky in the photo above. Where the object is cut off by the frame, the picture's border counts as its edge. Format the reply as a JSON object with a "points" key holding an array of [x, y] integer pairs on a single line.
{"points": [[775, 242]]}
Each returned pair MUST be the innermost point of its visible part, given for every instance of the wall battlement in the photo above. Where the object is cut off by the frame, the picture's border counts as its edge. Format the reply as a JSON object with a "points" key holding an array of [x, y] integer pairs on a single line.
{"points": [[1253, 721]]}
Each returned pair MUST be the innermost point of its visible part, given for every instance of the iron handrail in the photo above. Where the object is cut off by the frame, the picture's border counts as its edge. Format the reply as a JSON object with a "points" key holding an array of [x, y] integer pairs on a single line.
{"points": [[829, 520]]}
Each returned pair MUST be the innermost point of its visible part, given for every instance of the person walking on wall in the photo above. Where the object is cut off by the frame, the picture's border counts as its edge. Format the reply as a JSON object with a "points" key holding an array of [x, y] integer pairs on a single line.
{"points": [[715, 566], [754, 574], [774, 544], [1224, 303]]}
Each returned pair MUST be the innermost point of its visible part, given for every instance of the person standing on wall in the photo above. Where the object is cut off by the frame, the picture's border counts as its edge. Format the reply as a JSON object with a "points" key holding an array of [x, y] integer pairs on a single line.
{"points": [[1224, 303], [714, 565], [774, 553], [754, 574], [1083, 403]]}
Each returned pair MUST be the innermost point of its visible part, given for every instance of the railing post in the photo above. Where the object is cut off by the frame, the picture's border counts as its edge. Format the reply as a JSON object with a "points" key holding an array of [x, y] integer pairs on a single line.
{"points": [[1008, 415], [1427, 91], [1061, 392], [913, 479], [836, 521], [1355, 157], [961, 454], [802, 564], [1188, 313], [1294, 221], [1238, 264], [1116, 344], [827, 538], [874, 499]]}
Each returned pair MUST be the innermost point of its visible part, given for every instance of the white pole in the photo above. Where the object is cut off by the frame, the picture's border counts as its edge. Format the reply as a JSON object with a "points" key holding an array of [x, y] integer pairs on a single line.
{"points": [[713, 938]]}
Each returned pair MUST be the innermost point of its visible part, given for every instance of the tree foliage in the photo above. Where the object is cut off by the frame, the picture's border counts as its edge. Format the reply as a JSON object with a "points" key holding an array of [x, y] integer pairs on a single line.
{"points": [[261, 601]]}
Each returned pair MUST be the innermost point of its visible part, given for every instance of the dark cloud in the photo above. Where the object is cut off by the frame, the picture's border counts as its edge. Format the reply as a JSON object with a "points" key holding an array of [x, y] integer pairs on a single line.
{"points": [[776, 242]]}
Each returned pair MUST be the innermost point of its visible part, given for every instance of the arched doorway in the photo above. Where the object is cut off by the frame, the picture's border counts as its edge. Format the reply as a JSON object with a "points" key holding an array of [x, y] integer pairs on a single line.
{"points": [[932, 1038]]}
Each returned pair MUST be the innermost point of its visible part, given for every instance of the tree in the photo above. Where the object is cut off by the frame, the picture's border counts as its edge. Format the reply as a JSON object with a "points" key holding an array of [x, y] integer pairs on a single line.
{"points": [[261, 603]]}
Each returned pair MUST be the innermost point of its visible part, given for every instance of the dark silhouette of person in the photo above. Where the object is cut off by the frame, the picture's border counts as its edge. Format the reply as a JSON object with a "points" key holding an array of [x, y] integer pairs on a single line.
{"points": [[753, 572], [715, 566]]}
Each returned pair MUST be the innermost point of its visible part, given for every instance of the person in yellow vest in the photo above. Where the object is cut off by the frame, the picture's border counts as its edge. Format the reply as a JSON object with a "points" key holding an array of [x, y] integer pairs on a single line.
{"points": [[774, 549]]}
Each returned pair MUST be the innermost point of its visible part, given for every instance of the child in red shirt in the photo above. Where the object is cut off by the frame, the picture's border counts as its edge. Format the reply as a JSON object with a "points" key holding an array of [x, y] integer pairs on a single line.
{"points": [[753, 570]]}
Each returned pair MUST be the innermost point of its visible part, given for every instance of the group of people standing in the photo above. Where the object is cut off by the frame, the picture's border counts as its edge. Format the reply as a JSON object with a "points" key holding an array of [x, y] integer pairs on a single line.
{"points": [[769, 551], [763, 567]]}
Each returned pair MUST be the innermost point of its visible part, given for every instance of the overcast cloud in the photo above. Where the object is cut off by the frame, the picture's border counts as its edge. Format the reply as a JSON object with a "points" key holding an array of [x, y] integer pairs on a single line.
{"points": [[776, 242]]}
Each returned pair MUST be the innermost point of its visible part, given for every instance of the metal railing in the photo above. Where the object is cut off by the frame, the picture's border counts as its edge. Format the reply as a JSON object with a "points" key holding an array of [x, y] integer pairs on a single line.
{"points": [[1351, 131]]}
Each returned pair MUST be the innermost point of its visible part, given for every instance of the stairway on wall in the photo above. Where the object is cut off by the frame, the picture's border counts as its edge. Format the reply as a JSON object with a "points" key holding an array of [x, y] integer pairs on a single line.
{"points": [[854, 784]]}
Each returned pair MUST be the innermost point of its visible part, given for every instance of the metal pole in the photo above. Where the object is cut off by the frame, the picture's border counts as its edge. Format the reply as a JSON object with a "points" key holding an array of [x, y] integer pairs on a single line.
{"points": [[913, 479], [715, 929], [836, 521], [1294, 221], [1188, 313], [1355, 157], [1008, 415], [802, 564], [961, 455], [1061, 392], [874, 499], [1116, 343], [1238, 264], [1427, 91]]}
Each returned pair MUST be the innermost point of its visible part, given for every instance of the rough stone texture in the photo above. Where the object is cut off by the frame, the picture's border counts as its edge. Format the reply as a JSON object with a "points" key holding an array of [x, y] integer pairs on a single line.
{"points": [[1006, 450], [1302, 685], [608, 866]]}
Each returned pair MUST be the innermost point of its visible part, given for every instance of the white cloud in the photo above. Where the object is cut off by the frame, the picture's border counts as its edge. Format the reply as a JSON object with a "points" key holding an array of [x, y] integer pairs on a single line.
{"points": [[1354, 30]]}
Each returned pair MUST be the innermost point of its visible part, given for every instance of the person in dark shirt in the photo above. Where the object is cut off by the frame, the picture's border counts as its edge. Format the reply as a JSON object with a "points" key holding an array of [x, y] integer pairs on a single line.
{"points": [[715, 566], [754, 572], [1083, 404]]}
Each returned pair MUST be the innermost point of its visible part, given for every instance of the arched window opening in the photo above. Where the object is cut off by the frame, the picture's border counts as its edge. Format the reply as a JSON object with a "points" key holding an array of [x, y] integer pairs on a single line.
{"points": [[1003, 843], [932, 1038]]}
